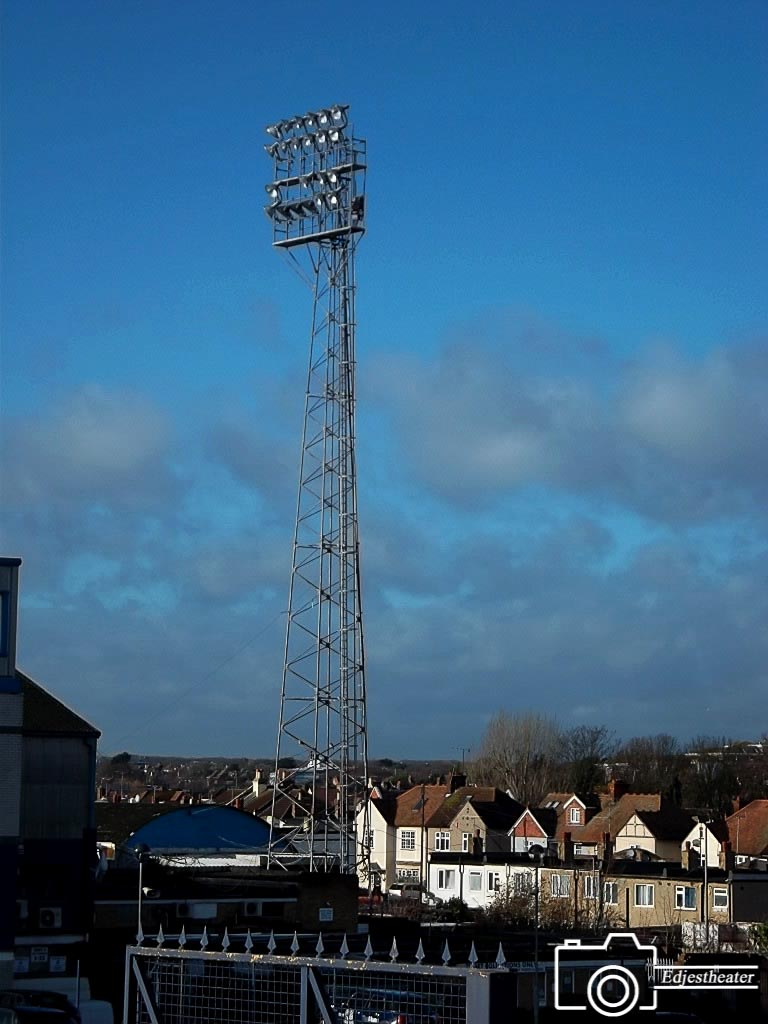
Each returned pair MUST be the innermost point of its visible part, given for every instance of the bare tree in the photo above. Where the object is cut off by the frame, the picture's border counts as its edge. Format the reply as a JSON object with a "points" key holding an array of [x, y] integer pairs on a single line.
{"points": [[585, 748], [518, 752], [654, 763]]}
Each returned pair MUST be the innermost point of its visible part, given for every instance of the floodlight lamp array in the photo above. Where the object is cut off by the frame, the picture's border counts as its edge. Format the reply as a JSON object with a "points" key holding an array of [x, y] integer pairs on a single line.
{"points": [[319, 176]]}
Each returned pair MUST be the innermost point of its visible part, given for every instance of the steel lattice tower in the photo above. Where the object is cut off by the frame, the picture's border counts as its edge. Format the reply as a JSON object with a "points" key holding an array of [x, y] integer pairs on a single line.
{"points": [[317, 211]]}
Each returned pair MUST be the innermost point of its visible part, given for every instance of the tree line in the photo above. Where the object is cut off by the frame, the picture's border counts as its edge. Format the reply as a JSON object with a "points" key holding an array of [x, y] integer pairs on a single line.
{"points": [[531, 755]]}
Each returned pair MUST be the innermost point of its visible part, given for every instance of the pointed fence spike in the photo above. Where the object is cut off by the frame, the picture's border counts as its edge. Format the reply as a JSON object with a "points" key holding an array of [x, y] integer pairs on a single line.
{"points": [[473, 955], [420, 954], [320, 948], [204, 937], [182, 937], [160, 936], [344, 948], [271, 945], [500, 957], [295, 944], [248, 942], [446, 954], [368, 951], [394, 953], [225, 940], [140, 935]]}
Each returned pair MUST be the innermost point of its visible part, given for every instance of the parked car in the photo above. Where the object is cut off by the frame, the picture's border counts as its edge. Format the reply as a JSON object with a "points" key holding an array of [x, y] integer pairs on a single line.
{"points": [[413, 891], [39, 1006], [389, 1006]]}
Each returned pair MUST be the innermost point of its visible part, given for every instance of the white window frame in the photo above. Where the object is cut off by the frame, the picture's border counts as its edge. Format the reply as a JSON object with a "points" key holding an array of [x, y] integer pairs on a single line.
{"points": [[370, 838], [408, 874], [591, 887], [442, 842], [611, 894], [475, 881], [466, 842], [560, 885], [574, 815], [446, 878], [681, 897], [407, 838], [643, 889], [722, 893], [494, 881]]}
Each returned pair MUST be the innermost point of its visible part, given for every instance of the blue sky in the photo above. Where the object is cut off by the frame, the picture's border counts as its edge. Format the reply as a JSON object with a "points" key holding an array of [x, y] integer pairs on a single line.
{"points": [[562, 344]]}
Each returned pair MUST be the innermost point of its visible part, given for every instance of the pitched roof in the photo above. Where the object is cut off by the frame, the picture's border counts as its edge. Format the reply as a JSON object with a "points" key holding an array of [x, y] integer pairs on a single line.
{"points": [[669, 822], [44, 713], [614, 816], [416, 806], [748, 829], [545, 818], [387, 808]]}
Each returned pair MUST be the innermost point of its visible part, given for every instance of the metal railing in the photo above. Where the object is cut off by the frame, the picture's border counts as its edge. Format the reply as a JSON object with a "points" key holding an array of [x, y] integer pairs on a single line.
{"points": [[202, 986]]}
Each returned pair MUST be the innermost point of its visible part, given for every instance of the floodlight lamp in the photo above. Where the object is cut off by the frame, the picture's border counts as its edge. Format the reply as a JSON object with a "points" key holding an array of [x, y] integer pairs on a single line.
{"points": [[296, 144], [296, 124], [324, 118], [332, 199], [339, 114], [276, 211], [309, 122], [273, 148], [273, 190], [321, 140], [329, 178], [307, 208], [335, 135], [275, 130], [308, 143]]}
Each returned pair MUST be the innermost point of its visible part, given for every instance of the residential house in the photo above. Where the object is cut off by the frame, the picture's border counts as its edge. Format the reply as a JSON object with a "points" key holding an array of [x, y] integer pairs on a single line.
{"points": [[748, 835], [474, 819], [596, 838], [547, 826], [708, 836], [377, 831], [658, 833]]}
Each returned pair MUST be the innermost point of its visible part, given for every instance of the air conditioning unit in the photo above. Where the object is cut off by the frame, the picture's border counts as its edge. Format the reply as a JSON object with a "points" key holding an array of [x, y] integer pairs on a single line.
{"points": [[22, 910], [182, 910], [50, 917]]}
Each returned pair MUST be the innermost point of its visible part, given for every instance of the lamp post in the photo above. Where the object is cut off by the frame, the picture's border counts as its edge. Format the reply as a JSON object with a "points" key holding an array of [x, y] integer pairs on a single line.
{"points": [[537, 866], [142, 853]]}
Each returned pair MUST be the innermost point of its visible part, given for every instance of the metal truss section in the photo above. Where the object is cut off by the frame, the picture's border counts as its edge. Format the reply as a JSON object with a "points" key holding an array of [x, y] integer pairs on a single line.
{"points": [[318, 203]]}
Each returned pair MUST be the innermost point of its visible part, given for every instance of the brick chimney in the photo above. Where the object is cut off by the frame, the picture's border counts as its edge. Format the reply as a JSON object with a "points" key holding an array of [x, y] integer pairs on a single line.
{"points": [[257, 777], [567, 855], [457, 781], [617, 788], [726, 859]]}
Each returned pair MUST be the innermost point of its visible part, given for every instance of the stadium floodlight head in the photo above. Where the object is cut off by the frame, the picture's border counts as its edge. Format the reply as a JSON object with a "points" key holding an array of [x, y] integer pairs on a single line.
{"points": [[324, 118], [335, 136], [333, 199], [309, 122], [339, 114], [330, 179], [321, 140], [273, 148], [275, 130], [273, 190]]}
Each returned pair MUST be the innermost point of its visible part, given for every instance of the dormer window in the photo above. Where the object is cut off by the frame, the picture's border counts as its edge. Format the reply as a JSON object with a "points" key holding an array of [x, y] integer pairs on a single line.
{"points": [[574, 816]]}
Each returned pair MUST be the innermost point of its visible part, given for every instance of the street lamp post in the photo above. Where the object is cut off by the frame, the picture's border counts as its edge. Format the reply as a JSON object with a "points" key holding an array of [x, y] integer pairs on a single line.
{"points": [[142, 853], [537, 863]]}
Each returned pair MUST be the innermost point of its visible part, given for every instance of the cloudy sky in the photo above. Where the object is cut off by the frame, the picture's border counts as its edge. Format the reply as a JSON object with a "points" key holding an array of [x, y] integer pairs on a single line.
{"points": [[563, 360]]}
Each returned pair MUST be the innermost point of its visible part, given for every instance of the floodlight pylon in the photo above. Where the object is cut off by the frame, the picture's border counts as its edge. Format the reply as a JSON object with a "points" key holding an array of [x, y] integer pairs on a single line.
{"points": [[322, 728]]}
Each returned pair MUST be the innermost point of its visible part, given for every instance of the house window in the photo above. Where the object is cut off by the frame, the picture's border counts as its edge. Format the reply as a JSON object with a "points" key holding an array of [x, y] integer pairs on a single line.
{"points": [[560, 884], [408, 839], [685, 897], [522, 883], [446, 878], [494, 881], [719, 899], [582, 850], [466, 842], [369, 839], [590, 887], [475, 881], [574, 816], [442, 841], [407, 874], [644, 895], [611, 893]]}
